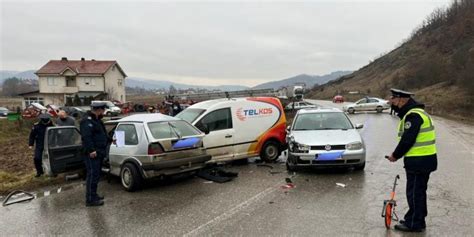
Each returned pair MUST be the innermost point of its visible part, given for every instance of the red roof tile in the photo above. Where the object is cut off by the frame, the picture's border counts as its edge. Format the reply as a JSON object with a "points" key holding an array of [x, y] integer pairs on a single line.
{"points": [[78, 66]]}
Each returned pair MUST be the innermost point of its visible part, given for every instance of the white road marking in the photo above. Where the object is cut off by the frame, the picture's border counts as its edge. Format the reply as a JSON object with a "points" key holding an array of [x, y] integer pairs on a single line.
{"points": [[226, 215]]}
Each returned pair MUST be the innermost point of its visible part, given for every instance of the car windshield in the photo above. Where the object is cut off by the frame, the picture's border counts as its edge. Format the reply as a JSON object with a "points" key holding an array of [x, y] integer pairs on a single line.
{"points": [[322, 121], [190, 114], [172, 130]]}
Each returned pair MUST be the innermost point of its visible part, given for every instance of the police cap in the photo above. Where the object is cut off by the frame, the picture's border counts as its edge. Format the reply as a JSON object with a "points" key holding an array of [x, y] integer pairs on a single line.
{"points": [[98, 105], [400, 93]]}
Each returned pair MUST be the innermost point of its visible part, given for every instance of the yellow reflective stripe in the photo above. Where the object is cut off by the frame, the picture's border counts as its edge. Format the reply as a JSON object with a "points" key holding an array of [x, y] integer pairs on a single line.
{"points": [[427, 143]]}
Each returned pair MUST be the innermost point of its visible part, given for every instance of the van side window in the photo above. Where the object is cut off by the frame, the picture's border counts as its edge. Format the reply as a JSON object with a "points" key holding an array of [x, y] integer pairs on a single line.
{"points": [[131, 137], [216, 120]]}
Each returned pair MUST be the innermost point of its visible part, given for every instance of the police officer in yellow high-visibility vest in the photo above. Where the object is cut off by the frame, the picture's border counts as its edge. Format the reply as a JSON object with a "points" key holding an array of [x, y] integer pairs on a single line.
{"points": [[416, 135]]}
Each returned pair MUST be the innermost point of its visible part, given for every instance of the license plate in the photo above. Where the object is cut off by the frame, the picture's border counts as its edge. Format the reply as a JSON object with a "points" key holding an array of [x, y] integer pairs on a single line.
{"points": [[329, 156]]}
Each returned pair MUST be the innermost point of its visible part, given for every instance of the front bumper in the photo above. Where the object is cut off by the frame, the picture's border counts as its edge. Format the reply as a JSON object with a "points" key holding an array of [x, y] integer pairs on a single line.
{"points": [[348, 158]]}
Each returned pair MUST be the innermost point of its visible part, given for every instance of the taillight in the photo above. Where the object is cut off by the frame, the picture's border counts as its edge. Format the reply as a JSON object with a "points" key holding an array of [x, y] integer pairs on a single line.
{"points": [[154, 149]]}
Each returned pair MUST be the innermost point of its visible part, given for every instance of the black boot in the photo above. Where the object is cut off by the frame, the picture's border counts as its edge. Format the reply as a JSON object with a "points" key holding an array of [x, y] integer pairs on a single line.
{"points": [[404, 228], [95, 203]]}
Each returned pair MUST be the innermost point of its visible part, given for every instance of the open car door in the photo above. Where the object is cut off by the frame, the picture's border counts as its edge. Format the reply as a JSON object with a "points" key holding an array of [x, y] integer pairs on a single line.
{"points": [[62, 150]]}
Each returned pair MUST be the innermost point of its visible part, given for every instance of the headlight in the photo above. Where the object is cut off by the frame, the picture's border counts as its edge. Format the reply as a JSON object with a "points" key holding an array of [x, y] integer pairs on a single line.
{"points": [[303, 148], [354, 146], [299, 148]]}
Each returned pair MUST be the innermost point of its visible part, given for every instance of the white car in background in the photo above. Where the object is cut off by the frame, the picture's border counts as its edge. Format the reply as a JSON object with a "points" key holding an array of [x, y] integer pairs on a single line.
{"points": [[367, 104], [300, 105]]}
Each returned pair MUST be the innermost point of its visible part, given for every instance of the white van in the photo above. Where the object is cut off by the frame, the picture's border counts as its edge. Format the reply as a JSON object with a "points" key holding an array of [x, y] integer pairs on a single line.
{"points": [[239, 128], [111, 109]]}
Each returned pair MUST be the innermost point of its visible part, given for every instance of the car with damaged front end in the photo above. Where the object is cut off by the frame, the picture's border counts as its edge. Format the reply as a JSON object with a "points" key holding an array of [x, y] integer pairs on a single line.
{"points": [[324, 137]]}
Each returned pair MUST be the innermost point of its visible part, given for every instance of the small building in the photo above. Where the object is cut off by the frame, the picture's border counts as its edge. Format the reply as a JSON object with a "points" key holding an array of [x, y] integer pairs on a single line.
{"points": [[59, 80]]}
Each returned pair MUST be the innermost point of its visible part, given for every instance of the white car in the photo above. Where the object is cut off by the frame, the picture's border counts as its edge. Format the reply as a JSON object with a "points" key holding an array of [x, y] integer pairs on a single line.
{"points": [[367, 104], [324, 137], [111, 109], [300, 105]]}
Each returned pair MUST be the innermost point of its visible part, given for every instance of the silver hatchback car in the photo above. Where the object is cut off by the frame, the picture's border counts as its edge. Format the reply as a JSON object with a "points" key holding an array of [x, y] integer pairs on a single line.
{"points": [[324, 137], [152, 145]]}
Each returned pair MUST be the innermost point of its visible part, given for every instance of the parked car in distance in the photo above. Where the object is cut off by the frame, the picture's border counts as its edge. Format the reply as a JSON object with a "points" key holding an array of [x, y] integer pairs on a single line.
{"points": [[239, 128], [338, 99], [4, 112], [111, 109], [299, 105], [367, 104], [74, 112], [153, 145], [324, 137]]}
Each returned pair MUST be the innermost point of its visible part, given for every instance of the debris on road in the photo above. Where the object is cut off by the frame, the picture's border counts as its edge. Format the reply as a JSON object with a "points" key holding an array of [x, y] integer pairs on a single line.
{"points": [[217, 175], [341, 185], [265, 165]]}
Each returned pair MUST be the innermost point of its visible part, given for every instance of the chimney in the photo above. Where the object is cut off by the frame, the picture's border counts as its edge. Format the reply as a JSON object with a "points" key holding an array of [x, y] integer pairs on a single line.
{"points": [[63, 59], [83, 59]]}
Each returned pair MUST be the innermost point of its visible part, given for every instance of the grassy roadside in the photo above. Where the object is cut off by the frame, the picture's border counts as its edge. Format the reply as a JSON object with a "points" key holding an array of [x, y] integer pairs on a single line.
{"points": [[17, 169]]}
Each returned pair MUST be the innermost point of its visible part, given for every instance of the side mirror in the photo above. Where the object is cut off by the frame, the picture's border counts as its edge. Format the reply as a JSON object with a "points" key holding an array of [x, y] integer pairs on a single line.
{"points": [[288, 128], [205, 129], [359, 126]]}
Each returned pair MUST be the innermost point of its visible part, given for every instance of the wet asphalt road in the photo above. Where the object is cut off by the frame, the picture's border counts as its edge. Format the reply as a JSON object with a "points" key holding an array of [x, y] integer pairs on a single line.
{"points": [[255, 204]]}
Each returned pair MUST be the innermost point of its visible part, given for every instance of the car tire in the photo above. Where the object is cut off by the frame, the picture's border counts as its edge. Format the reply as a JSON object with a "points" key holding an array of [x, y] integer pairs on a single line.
{"points": [[350, 110], [360, 167], [130, 177], [379, 109], [270, 151]]}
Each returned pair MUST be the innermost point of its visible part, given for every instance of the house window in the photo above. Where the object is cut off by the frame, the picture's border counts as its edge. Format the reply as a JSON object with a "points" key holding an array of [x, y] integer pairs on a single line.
{"points": [[52, 81], [119, 82], [30, 100]]}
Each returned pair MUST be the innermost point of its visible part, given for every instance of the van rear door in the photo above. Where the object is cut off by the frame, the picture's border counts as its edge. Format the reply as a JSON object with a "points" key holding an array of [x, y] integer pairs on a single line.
{"points": [[62, 150]]}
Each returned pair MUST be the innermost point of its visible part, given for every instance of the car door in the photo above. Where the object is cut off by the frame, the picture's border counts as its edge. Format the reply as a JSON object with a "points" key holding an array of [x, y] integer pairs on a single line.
{"points": [[62, 150], [361, 105], [219, 141], [371, 104]]}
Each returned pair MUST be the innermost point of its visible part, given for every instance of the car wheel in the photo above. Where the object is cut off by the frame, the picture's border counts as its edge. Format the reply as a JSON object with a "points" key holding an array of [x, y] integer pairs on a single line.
{"points": [[360, 167], [351, 110], [379, 109], [270, 151], [130, 177]]}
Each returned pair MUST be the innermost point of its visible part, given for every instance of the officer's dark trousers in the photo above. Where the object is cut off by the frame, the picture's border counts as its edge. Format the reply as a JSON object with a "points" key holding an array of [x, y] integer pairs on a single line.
{"points": [[38, 159], [92, 177], [417, 184]]}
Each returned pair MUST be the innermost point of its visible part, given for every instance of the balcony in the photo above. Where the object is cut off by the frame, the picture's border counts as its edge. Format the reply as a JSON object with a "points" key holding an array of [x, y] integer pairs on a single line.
{"points": [[70, 89]]}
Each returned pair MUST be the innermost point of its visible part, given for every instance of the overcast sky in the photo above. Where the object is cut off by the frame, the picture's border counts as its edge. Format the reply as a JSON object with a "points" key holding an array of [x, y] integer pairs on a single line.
{"points": [[211, 43]]}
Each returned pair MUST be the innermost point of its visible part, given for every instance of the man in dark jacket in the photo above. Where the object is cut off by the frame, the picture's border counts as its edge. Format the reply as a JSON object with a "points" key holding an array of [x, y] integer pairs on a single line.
{"points": [[64, 119], [94, 147], [37, 138], [416, 136]]}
